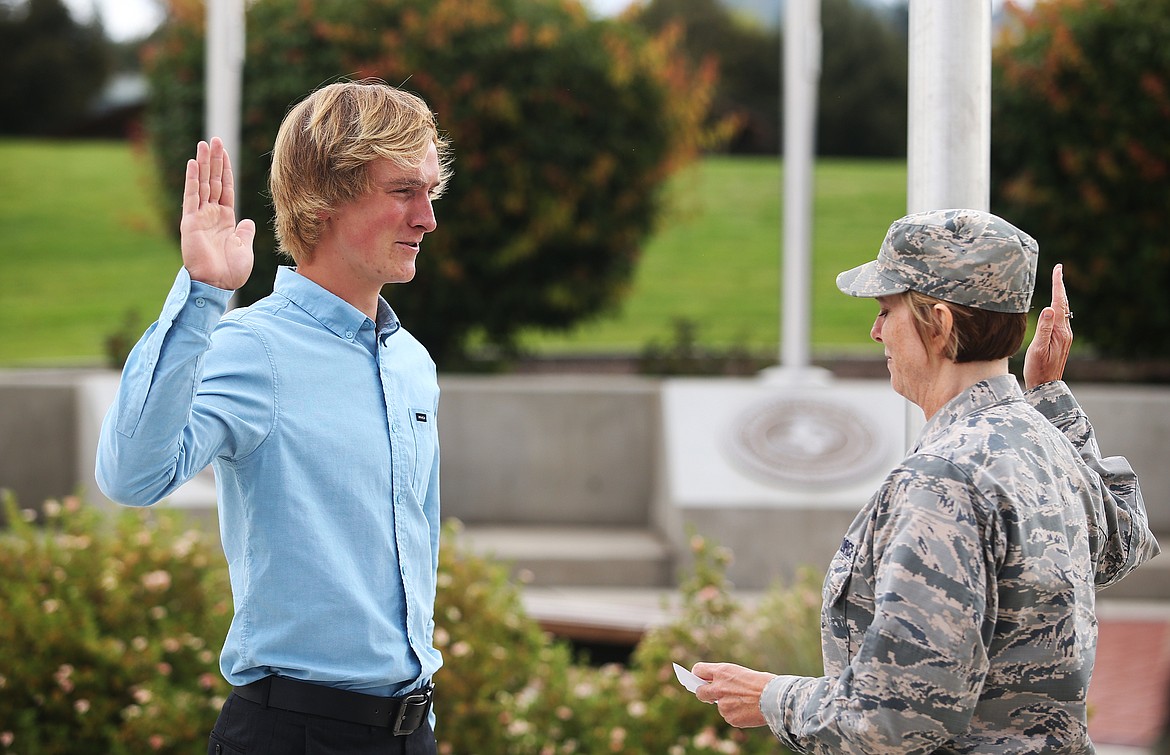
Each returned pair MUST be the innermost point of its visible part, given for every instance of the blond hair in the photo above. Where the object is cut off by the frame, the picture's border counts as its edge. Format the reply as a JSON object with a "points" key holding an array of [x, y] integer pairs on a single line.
{"points": [[325, 143]]}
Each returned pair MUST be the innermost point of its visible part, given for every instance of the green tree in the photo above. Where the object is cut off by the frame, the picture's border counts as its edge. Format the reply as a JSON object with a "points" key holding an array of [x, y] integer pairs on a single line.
{"points": [[1081, 158], [861, 109], [564, 130], [747, 57], [51, 68]]}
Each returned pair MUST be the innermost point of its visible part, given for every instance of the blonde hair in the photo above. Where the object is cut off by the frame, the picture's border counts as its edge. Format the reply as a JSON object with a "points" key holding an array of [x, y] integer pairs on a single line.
{"points": [[325, 143]]}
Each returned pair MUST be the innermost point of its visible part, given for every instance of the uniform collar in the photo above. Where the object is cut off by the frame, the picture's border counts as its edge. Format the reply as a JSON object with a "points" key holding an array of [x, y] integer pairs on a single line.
{"points": [[983, 394]]}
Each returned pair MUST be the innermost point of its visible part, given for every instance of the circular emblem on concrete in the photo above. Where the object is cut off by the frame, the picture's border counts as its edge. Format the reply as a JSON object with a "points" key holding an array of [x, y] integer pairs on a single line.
{"points": [[804, 441]]}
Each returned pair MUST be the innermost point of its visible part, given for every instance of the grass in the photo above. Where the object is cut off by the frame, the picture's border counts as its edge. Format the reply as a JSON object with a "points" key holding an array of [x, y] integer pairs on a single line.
{"points": [[715, 260], [82, 245]]}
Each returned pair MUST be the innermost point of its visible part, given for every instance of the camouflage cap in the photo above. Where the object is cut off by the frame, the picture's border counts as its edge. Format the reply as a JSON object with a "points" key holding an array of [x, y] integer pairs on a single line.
{"points": [[965, 257]]}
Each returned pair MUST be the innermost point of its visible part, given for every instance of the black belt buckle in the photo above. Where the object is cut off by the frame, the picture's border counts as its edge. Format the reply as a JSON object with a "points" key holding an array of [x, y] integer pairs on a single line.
{"points": [[412, 709]]}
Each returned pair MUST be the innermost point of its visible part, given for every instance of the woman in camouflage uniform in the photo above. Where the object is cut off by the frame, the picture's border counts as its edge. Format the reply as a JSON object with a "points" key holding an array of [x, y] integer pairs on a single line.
{"points": [[959, 612]]}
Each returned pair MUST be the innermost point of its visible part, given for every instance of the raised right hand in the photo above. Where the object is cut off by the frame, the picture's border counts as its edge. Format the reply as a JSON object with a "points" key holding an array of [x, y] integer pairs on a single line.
{"points": [[216, 250], [1047, 355]]}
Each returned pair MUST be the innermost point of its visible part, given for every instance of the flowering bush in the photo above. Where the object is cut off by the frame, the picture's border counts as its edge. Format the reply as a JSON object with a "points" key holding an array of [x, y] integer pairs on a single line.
{"points": [[556, 707], [1081, 127], [110, 626], [109, 631]]}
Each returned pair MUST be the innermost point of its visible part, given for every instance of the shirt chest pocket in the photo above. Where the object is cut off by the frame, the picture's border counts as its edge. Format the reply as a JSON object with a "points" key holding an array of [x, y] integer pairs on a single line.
{"points": [[835, 592], [426, 441], [839, 574]]}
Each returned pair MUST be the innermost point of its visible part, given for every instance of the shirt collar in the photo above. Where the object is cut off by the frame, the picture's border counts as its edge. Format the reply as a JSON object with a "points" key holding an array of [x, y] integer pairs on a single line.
{"points": [[388, 323], [333, 312], [979, 396]]}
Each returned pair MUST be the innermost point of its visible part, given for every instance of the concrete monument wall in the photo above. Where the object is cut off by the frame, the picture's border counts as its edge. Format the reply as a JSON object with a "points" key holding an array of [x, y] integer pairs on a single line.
{"points": [[737, 460]]}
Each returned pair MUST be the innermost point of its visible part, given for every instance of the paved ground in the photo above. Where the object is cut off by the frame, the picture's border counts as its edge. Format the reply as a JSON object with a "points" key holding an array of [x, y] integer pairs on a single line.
{"points": [[1130, 695], [1129, 698]]}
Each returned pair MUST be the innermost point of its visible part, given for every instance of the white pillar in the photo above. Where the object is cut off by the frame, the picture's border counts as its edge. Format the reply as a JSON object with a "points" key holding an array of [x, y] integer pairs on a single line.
{"points": [[224, 71], [802, 69], [948, 151], [949, 136]]}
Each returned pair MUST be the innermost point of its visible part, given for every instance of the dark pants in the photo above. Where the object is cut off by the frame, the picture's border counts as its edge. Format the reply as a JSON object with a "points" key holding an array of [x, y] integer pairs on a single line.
{"points": [[248, 728]]}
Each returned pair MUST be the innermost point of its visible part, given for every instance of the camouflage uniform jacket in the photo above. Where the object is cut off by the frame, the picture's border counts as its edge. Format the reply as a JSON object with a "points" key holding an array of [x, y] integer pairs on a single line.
{"points": [[959, 612]]}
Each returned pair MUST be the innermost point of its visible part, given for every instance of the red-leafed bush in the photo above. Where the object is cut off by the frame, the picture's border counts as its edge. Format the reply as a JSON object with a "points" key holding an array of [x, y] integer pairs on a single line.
{"points": [[1081, 159]]}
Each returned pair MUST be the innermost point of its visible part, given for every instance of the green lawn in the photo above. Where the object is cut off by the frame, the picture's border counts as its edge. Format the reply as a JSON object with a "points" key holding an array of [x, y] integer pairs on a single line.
{"points": [[82, 245], [716, 259]]}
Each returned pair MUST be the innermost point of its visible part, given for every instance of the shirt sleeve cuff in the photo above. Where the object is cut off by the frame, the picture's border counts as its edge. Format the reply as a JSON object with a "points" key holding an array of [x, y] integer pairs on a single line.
{"points": [[773, 702], [1054, 400], [200, 306]]}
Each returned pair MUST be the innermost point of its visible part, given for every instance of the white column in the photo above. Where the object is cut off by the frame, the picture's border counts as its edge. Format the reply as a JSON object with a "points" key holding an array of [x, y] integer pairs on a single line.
{"points": [[948, 151], [224, 71], [949, 137], [802, 69]]}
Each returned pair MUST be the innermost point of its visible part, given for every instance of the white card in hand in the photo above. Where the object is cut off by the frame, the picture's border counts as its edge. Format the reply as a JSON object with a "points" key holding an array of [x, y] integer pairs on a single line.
{"points": [[687, 679]]}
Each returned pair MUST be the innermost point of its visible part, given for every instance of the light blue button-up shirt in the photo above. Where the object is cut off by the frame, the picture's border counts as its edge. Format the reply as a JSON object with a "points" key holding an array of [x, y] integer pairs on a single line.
{"points": [[321, 426]]}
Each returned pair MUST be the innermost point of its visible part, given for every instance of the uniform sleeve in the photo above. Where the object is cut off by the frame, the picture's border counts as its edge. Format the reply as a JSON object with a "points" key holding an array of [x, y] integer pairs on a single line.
{"points": [[1121, 535], [914, 681], [180, 402]]}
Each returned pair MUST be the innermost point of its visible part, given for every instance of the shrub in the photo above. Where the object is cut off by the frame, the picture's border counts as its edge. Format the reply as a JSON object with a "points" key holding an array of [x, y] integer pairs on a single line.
{"points": [[684, 356], [491, 649], [110, 625], [561, 707], [1081, 158], [564, 130], [109, 630]]}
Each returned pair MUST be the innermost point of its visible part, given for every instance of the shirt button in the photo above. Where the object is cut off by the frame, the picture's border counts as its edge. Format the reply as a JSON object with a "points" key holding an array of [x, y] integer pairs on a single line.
{"points": [[349, 334], [200, 302]]}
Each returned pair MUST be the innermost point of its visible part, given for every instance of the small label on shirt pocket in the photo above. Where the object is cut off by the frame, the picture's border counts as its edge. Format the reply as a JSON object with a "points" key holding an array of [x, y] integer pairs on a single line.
{"points": [[425, 440]]}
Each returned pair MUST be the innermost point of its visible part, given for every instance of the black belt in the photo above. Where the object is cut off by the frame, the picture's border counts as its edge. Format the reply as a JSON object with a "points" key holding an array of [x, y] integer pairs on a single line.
{"points": [[402, 714]]}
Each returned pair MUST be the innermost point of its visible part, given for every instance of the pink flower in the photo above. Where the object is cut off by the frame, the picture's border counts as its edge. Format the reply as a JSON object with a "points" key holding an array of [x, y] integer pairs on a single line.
{"points": [[156, 581], [707, 594]]}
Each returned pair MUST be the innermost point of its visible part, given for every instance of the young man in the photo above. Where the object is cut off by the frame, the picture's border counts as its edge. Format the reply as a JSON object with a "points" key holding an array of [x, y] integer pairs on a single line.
{"points": [[318, 411]]}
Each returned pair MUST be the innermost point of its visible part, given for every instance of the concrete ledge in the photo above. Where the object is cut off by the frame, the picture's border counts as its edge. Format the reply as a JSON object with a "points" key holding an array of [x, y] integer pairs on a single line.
{"points": [[556, 449], [577, 556], [589, 614], [565, 451], [38, 434]]}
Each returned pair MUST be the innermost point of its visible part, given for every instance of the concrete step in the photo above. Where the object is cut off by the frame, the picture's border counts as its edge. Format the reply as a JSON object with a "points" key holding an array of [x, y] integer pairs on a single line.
{"points": [[576, 556], [613, 615]]}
